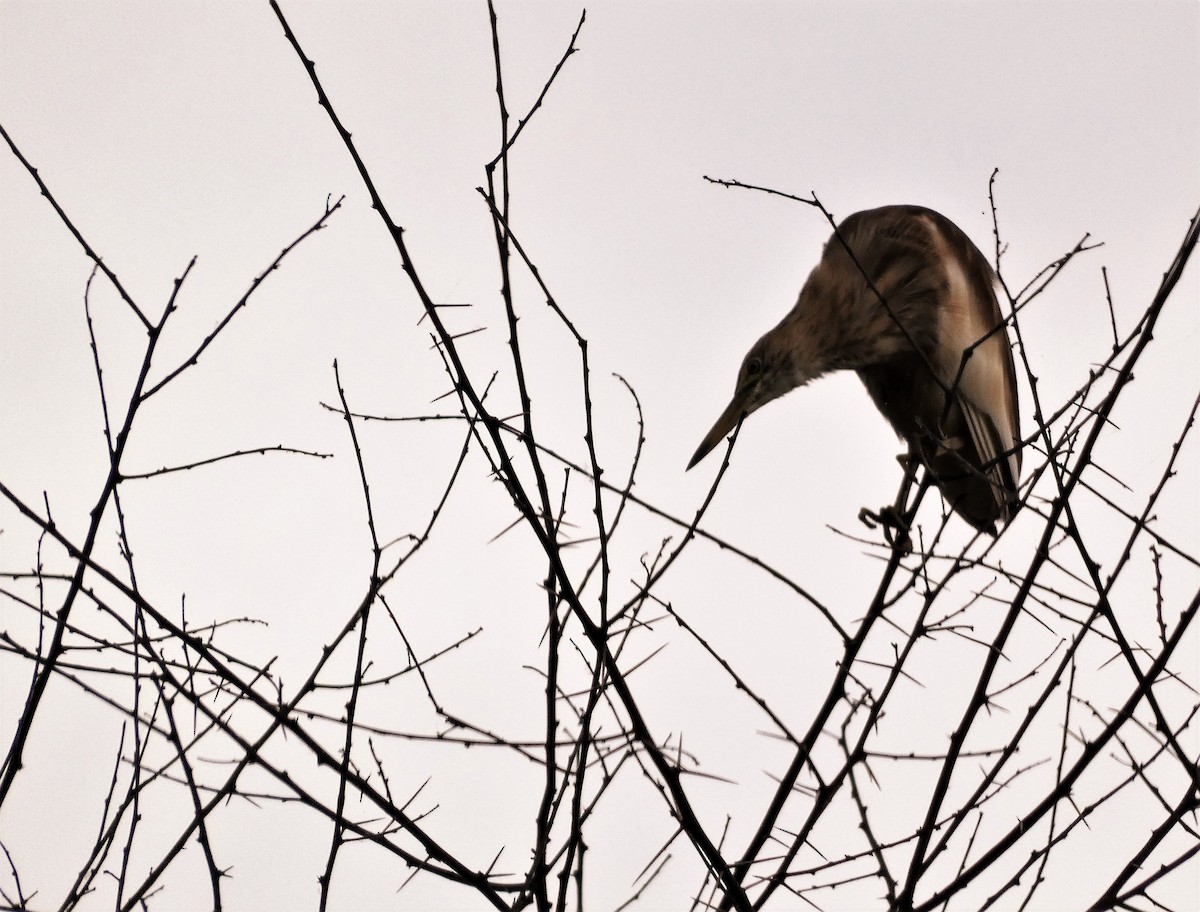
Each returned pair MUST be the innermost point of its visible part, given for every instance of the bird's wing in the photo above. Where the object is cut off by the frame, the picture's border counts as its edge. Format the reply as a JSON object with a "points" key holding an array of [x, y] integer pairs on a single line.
{"points": [[991, 443], [987, 386]]}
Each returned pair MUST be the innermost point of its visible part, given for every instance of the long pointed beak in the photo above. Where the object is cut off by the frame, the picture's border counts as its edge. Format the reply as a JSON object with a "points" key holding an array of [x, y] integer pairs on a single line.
{"points": [[725, 424]]}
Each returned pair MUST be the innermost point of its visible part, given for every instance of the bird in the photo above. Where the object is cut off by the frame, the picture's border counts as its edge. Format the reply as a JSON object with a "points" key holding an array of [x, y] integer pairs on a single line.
{"points": [[904, 298]]}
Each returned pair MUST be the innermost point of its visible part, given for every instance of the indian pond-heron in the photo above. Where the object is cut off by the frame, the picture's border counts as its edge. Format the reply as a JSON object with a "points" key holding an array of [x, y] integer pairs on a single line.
{"points": [[904, 298]]}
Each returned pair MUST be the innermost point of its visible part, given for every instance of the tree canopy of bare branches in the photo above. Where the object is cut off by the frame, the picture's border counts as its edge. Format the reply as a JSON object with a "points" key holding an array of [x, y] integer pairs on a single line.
{"points": [[1000, 723]]}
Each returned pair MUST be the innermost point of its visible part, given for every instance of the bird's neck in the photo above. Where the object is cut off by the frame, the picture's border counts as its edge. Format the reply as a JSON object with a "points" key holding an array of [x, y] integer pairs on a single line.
{"points": [[839, 323]]}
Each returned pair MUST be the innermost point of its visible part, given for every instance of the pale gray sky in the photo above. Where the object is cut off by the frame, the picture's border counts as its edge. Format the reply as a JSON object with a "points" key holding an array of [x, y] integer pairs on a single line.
{"points": [[168, 131]]}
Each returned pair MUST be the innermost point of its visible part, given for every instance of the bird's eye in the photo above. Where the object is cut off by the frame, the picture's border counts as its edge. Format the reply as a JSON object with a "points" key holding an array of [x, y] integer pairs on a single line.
{"points": [[753, 367]]}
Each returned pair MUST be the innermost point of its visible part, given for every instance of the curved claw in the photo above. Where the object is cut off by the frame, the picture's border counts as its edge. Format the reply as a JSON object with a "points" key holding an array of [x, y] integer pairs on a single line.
{"points": [[895, 527]]}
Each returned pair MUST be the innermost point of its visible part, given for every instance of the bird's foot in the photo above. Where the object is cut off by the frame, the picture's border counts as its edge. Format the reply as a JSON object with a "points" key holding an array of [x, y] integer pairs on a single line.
{"points": [[895, 526]]}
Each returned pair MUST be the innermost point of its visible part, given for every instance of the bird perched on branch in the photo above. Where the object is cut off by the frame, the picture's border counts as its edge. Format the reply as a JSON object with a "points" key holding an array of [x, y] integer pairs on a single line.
{"points": [[904, 298]]}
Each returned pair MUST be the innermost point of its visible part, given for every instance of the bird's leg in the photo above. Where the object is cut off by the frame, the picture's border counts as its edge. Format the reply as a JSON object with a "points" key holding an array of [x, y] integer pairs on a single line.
{"points": [[895, 518]]}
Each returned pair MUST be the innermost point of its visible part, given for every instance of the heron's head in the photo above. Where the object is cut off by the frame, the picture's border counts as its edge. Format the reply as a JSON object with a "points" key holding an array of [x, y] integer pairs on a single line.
{"points": [[769, 370]]}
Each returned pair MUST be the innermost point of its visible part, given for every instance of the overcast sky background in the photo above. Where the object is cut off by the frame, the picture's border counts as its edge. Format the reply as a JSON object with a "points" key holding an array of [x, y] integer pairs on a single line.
{"points": [[168, 131]]}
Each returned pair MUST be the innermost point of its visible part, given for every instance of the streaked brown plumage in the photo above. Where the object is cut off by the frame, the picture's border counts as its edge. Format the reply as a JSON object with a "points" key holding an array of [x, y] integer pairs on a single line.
{"points": [[940, 301]]}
